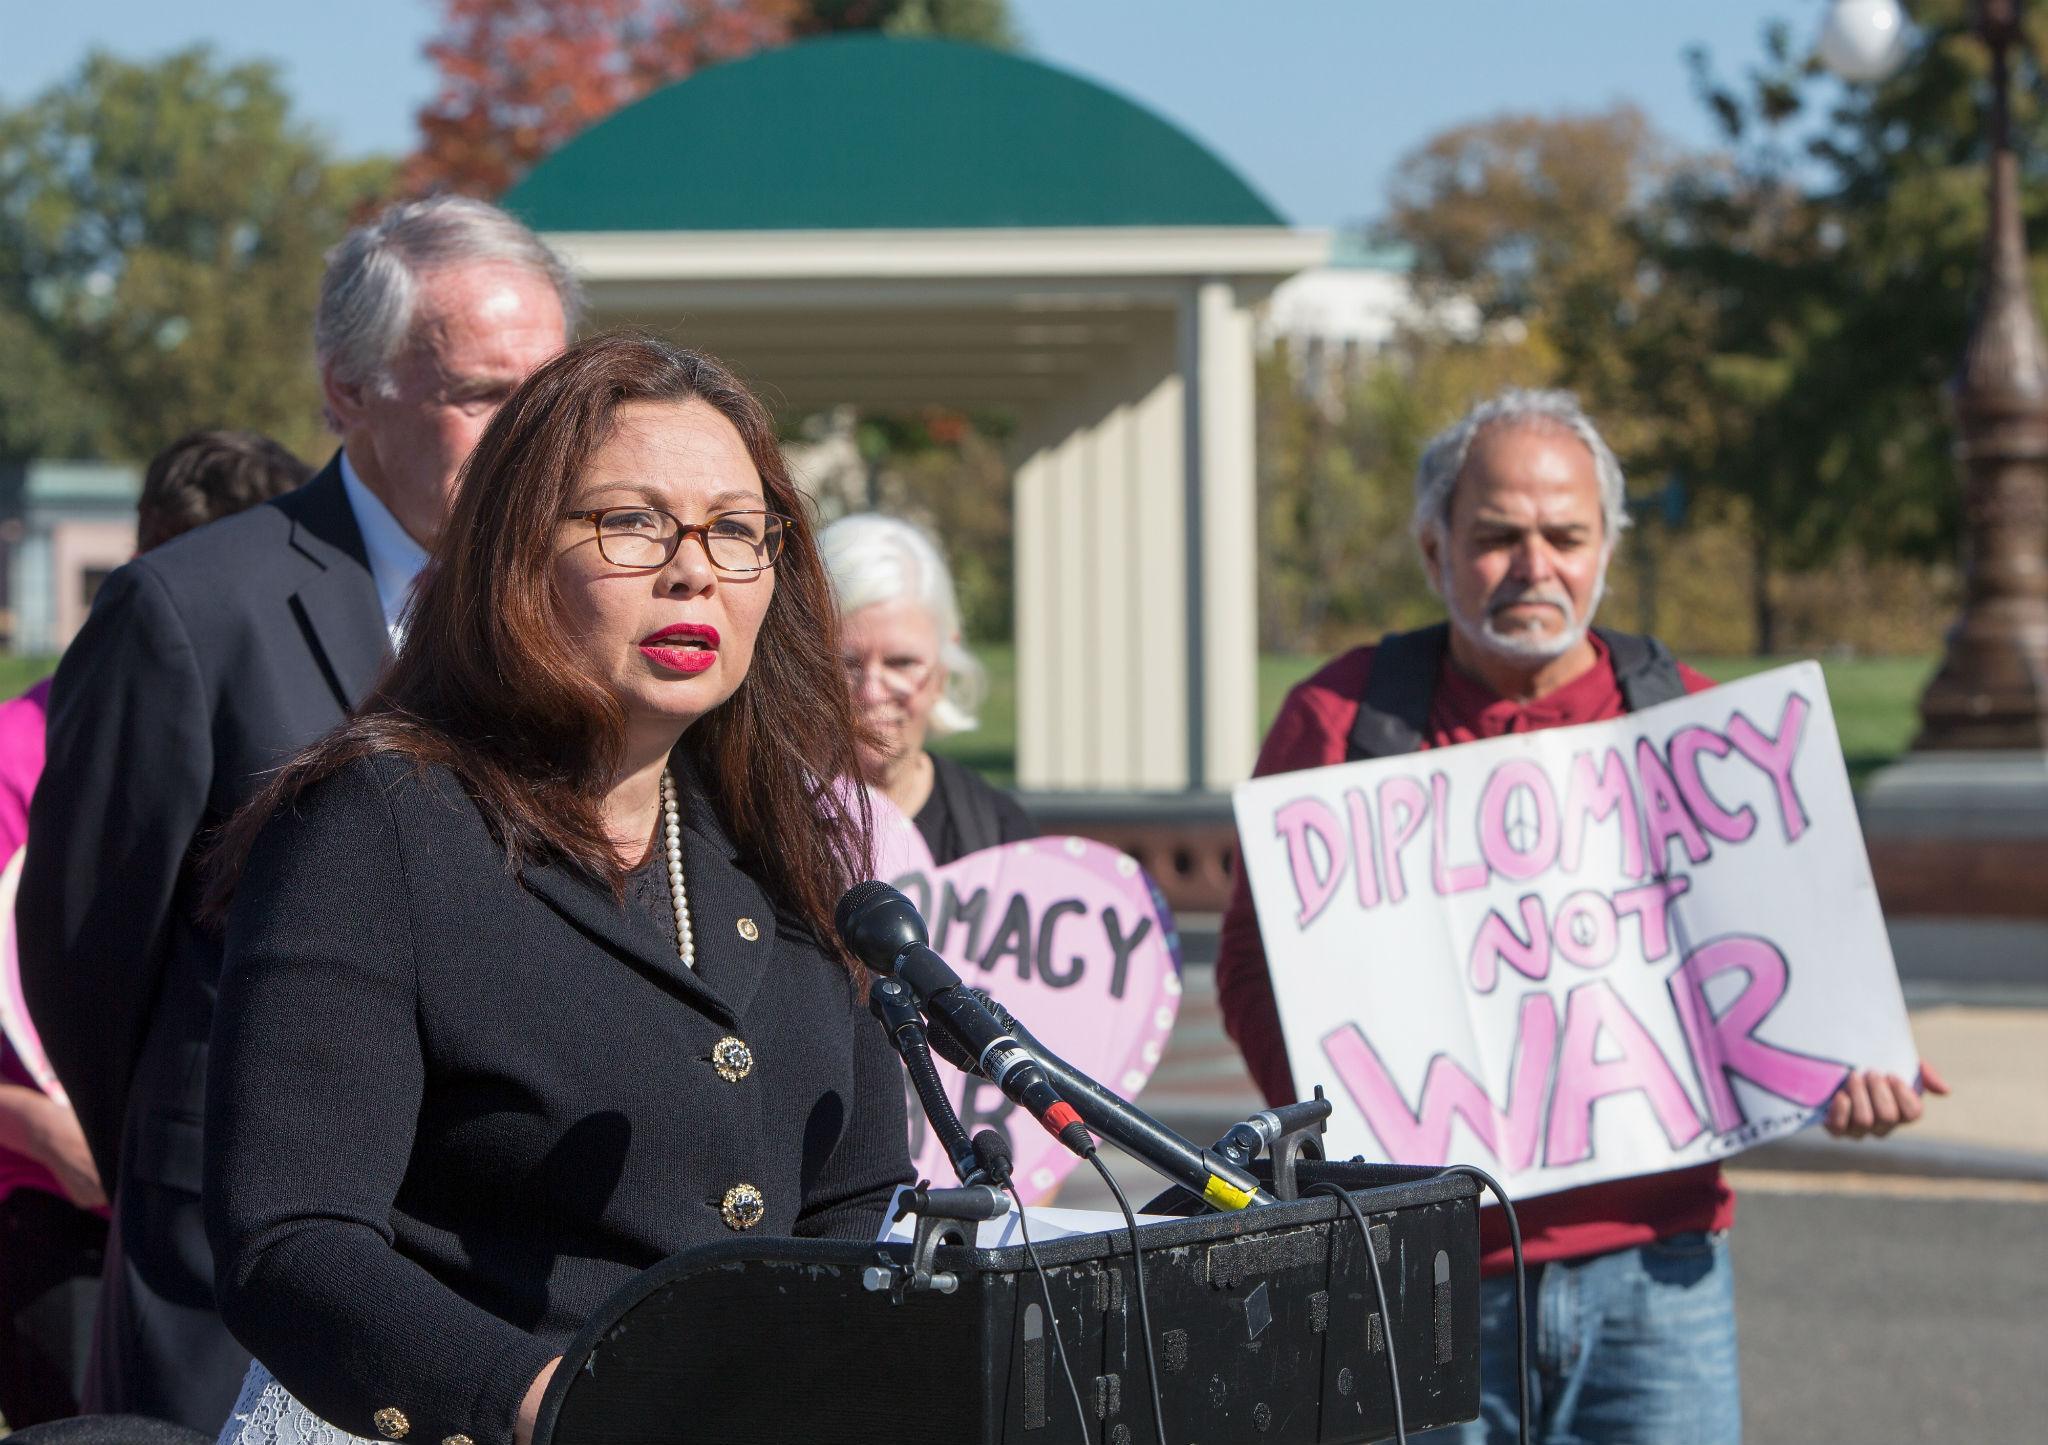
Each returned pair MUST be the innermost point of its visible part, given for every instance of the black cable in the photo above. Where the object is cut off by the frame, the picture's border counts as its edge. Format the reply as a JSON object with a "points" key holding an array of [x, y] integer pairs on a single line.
{"points": [[1052, 1315], [1138, 1275], [1379, 1287], [1521, 1288]]}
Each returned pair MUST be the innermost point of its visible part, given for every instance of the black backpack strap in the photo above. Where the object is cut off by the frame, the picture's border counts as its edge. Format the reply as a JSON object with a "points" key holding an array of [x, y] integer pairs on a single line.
{"points": [[1644, 667], [1398, 693]]}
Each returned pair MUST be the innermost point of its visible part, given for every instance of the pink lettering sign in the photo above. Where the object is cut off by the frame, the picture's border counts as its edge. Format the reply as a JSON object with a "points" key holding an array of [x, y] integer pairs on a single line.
{"points": [[1724, 1042], [1072, 937], [1614, 964]]}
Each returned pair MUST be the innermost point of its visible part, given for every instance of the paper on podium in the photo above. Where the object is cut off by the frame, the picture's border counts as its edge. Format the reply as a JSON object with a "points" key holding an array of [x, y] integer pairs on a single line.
{"points": [[1046, 1223]]}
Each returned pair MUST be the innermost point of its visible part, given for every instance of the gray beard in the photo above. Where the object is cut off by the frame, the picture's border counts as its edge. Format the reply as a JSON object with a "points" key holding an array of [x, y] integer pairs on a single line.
{"points": [[1516, 647]]}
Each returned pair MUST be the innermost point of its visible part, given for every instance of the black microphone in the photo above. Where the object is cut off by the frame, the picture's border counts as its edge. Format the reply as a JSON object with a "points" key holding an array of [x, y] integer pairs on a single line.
{"points": [[1200, 1171], [885, 931]]}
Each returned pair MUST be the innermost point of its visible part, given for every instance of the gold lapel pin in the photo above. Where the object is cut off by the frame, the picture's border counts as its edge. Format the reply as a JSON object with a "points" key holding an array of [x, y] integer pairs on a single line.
{"points": [[748, 930]]}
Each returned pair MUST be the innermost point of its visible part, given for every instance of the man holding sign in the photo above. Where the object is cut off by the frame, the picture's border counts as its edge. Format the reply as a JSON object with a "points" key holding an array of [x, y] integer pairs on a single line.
{"points": [[1518, 510]]}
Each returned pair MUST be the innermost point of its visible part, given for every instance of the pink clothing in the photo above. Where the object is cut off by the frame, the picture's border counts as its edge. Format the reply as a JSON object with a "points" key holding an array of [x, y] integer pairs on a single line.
{"points": [[21, 764], [22, 724]]}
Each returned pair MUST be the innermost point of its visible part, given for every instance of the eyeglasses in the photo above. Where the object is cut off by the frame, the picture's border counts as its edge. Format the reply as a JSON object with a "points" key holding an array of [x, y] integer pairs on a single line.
{"points": [[901, 676], [646, 537]]}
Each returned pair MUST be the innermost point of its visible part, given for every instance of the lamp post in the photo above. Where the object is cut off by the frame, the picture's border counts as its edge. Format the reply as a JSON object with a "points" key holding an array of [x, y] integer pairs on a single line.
{"points": [[1991, 693], [1957, 830]]}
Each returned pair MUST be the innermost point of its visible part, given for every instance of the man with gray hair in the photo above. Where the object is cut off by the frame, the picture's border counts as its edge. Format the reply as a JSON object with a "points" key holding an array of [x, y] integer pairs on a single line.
{"points": [[1518, 508], [206, 663]]}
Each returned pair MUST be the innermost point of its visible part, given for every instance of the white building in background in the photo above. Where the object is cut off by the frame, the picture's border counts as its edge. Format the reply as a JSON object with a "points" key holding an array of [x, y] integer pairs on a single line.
{"points": [[1335, 318], [63, 527]]}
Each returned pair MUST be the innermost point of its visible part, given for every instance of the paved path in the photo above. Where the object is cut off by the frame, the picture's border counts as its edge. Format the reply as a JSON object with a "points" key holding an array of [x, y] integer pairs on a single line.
{"points": [[1891, 1311]]}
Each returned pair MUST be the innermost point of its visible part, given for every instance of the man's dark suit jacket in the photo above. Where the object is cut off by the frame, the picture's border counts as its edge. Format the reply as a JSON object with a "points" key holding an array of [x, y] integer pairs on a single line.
{"points": [[454, 1108], [204, 663]]}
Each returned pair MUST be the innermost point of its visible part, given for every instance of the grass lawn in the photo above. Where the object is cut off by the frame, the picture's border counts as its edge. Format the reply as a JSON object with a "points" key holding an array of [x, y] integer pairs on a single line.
{"points": [[1875, 701], [19, 674], [991, 749]]}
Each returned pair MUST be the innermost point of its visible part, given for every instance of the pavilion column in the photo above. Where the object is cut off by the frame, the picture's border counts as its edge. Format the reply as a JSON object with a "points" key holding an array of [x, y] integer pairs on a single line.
{"points": [[1216, 347], [1136, 566], [1158, 469], [1101, 594], [1103, 525]]}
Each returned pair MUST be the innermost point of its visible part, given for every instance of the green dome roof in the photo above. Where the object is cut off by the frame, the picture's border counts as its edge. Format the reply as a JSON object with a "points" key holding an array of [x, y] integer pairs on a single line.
{"points": [[866, 132]]}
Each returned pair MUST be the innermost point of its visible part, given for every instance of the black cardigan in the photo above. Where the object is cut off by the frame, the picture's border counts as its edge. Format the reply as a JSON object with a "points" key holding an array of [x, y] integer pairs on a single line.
{"points": [[450, 1109], [965, 813]]}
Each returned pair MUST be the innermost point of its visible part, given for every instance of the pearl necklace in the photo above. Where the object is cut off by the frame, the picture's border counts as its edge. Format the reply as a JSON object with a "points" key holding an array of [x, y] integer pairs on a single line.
{"points": [[679, 897]]}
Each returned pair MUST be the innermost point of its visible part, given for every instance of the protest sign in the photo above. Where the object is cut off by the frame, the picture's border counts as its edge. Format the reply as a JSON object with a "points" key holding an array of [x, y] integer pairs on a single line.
{"points": [[1071, 936], [1582, 953]]}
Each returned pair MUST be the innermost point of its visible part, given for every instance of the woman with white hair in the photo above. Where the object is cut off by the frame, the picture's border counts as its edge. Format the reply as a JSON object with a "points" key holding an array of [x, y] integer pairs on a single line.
{"points": [[912, 677]]}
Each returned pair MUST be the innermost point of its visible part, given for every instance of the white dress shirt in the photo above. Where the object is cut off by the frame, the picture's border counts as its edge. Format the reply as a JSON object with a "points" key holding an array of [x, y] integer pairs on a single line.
{"points": [[395, 558]]}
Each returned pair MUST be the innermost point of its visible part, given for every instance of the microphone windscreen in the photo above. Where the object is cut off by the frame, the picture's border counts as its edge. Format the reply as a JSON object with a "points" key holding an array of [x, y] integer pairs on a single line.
{"points": [[878, 923], [992, 1153]]}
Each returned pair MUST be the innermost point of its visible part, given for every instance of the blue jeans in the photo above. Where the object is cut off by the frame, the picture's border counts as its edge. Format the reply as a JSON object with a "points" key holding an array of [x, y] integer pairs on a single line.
{"points": [[1631, 1348]]}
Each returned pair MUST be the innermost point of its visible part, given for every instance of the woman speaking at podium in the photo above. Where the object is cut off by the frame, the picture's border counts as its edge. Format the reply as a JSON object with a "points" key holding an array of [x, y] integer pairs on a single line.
{"points": [[530, 977]]}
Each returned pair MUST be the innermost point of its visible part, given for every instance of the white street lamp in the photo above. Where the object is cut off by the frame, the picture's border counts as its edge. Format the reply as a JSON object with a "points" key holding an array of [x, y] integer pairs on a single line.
{"points": [[1863, 41]]}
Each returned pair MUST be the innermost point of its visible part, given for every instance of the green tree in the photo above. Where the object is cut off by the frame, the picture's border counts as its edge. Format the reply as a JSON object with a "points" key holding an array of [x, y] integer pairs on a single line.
{"points": [[1772, 322], [981, 22], [1337, 481], [1528, 218], [161, 233], [945, 470], [1822, 269], [1531, 217], [42, 412]]}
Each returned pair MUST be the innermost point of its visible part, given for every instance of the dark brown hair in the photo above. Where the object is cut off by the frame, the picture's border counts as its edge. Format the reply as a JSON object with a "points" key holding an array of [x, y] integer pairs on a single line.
{"points": [[486, 687], [206, 475]]}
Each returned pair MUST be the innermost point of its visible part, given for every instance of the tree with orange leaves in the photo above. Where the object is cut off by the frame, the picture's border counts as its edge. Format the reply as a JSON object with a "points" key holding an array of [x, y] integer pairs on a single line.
{"points": [[519, 77]]}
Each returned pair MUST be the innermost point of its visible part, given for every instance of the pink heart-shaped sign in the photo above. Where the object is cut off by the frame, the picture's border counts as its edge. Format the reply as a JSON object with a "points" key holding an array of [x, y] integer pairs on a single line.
{"points": [[1074, 940]]}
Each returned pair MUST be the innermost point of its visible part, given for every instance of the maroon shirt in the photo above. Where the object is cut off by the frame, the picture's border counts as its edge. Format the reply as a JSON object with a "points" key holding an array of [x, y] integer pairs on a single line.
{"points": [[1312, 731]]}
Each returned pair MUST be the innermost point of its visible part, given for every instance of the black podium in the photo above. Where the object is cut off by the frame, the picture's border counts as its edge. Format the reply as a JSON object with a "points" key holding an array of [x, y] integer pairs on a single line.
{"points": [[1265, 1322]]}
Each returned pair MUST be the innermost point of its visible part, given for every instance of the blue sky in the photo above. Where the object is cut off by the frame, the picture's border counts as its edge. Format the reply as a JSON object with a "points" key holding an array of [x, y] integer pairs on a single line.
{"points": [[1314, 100]]}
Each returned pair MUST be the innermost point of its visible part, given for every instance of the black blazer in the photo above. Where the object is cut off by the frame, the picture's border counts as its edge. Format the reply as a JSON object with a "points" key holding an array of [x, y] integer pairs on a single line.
{"points": [[451, 1109], [204, 663]]}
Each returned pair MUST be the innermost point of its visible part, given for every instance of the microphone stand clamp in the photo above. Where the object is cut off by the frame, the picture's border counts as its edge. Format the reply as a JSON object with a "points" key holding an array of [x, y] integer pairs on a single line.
{"points": [[1288, 1135], [944, 1216]]}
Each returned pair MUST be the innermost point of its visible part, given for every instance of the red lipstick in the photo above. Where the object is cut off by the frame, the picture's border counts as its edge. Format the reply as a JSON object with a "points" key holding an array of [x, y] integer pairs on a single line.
{"points": [[684, 647]]}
